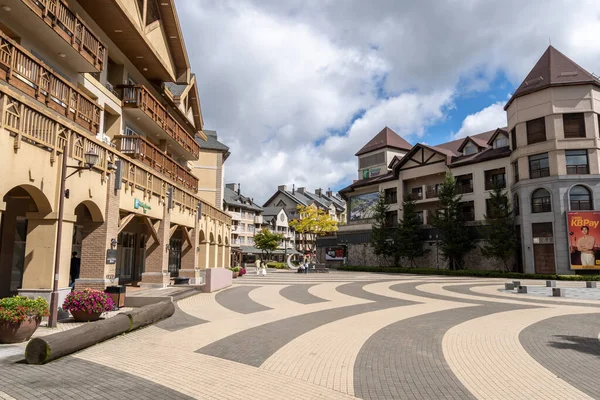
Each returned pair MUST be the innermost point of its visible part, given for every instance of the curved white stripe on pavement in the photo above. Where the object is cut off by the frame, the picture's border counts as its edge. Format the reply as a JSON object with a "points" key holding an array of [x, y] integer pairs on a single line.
{"points": [[440, 289], [206, 307], [494, 290], [269, 296], [487, 357], [383, 289], [327, 291], [326, 355]]}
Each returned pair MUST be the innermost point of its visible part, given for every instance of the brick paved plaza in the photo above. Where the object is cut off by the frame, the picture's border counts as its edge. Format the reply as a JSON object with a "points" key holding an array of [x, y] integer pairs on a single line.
{"points": [[339, 336]]}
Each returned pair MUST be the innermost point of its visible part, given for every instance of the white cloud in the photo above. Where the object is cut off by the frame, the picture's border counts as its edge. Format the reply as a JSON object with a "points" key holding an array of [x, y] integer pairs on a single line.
{"points": [[489, 118], [282, 81]]}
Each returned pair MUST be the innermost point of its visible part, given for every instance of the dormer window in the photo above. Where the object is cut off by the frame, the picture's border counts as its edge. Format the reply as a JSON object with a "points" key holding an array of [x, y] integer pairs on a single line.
{"points": [[501, 141], [470, 149]]}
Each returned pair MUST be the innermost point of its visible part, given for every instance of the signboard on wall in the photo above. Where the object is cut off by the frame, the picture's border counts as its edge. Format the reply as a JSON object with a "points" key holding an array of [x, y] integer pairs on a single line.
{"points": [[365, 173], [363, 205], [584, 238], [374, 172], [335, 253]]}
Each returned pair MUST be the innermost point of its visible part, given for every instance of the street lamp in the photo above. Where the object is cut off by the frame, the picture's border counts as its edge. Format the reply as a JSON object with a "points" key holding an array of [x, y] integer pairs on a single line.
{"points": [[90, 158]]}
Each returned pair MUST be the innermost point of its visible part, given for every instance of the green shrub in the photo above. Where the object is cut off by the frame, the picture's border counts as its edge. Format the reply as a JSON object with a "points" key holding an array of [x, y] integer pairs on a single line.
{"points": [[467, 272], [276, 265]]}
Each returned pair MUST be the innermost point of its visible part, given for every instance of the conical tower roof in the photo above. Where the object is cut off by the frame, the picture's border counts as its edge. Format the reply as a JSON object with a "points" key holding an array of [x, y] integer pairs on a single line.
{"points": [[553, 69]]}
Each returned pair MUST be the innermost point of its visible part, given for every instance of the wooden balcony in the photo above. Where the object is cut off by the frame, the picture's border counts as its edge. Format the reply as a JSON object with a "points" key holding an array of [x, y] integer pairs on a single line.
{"points": [[70, 27], [22, 70], [139, 148], [138, 97]]}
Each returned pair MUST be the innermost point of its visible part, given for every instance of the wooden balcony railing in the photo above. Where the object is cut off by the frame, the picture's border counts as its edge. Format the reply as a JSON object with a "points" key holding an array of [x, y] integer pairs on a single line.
{"points": [[139, 148], [24, 71], [137, 96], [415, 196], [71, 28], [29, 126]]}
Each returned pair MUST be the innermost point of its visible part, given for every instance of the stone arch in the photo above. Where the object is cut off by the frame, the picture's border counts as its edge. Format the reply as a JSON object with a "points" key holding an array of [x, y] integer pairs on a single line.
{"points": [[41, 202], [212, 238], [93, 209], [201, 236], [226, 241], [220, 240]]}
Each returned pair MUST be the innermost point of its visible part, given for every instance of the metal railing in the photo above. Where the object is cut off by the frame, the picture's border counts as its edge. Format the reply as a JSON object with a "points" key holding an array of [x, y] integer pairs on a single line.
{"points": [[490, 183], [465, 188], [24, 71], [431, 193], [139, 148], [70, 26], [137, 96], [416, 195], [577, 170], [539, 173]]}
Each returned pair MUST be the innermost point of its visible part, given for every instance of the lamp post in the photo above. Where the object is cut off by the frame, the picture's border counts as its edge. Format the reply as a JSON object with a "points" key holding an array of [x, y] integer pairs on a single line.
{"points": [[91, 158]]}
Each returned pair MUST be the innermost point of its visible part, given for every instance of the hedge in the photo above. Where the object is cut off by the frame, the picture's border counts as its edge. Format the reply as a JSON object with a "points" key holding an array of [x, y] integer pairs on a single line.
{"points": [[277, 265], [468, 272]]}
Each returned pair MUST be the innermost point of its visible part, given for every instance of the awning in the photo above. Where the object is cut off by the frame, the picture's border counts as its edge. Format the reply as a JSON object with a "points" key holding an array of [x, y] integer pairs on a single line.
{"points": [[254, 250]]}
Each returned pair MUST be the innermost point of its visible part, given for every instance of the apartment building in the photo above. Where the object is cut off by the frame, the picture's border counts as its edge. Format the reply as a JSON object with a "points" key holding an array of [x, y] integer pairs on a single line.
{"points": [[101, 92], [245, 214], [290, 200], [210, 168], [277, 221], [547, 157]]}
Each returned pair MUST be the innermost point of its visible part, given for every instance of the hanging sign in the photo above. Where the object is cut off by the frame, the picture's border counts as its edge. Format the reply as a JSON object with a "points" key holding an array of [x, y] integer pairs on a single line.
{"points": [[137, 204]]}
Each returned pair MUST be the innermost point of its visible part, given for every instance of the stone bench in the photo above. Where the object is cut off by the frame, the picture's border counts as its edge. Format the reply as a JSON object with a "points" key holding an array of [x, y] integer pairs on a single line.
{"points": [[550, 283], [509, 286], [181, 281], [522, 289], [318, 269], [591, 285], [558, 292]]}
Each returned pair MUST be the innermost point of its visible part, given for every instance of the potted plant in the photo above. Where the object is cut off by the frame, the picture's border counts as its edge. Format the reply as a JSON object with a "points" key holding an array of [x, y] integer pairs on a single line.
{"points": [[88, 304], [242, 271], [20, 317], [234, 272]]}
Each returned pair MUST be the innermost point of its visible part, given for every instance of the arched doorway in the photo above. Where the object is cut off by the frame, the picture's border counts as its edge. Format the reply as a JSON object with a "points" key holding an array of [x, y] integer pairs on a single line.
{"points": [[212, 252], [87, 243], [21, 202]]}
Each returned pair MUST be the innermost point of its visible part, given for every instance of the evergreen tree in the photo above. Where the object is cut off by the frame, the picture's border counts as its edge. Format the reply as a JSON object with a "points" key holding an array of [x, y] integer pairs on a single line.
{"points": [[409, 234], [380, 233], [502, 243], [455, 240]]}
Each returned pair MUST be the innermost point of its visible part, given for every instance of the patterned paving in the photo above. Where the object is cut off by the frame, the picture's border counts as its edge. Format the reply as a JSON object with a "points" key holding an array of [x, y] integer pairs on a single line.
{"points": [[340, 336]]}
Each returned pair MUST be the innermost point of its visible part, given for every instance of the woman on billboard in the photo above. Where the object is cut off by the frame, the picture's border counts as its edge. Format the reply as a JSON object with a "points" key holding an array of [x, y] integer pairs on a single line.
{"points": [[586, 245]]}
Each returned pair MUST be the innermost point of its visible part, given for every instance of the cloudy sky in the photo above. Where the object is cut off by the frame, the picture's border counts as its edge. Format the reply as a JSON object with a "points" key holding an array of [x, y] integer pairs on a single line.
{"points": [[297, 87]]}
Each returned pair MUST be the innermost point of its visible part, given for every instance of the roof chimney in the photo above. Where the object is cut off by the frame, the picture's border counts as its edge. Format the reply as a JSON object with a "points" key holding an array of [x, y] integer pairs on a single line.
{"points": [[329, 193], [319, 192], [239, 188], [301, 190], [293, 188], [283, 188], [232, 186]]}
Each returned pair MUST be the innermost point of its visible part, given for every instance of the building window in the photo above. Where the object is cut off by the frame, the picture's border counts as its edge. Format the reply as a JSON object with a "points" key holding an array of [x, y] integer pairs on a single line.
{"points": [[495, 177], [391, 196], [540, 201], [391, 219], [539, 166], [464, 183], [536, 131], [577, 162], [467, 211], [580, 198], [516, 206], [501, 141], [470, 149], [416, 193], [374, 159], [420, 217], [513, 137], [574, 125], [515, 167]]}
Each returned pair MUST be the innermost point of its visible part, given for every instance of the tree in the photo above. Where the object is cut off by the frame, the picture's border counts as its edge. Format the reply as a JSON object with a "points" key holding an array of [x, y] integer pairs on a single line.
{"points": [[456, 240], [313, 222], [267, 242], [383, 245], [502, 243], [409, 234]]}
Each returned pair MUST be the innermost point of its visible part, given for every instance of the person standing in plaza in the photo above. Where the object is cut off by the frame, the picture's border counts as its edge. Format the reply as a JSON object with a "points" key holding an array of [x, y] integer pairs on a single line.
{"points": [[586, 245], [75, 268], [257, 265]]}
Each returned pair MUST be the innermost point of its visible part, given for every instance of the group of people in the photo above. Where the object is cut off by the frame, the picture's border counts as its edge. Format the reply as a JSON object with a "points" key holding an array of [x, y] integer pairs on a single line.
{"points": [[303, 268]]}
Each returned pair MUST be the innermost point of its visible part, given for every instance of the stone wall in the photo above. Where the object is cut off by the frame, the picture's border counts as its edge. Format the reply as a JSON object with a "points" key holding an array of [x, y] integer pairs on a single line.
{"points": [[362, 254]]}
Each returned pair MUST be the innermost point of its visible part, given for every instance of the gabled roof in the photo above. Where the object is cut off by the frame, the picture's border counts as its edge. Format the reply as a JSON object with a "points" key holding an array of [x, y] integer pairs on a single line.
{"points": [[211, 142], [498, 131], [367, 182], [444, 152], [455, 144], [487, 154], [271, 211], [480, 143], [322, 200], [553, 69], [385, 138], [289, 195]]}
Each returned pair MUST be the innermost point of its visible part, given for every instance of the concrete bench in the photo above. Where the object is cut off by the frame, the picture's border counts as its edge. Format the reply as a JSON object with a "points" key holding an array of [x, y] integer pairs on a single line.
{"points": [[550, 283], [591, 285], [522, 289], [558, 292], [318, 269], [181, 281], [509, 286]]}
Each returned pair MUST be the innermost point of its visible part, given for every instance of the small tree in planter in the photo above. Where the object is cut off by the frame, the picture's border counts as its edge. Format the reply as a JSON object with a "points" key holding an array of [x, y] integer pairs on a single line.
{"points": [[88, 304], [20, 317]]}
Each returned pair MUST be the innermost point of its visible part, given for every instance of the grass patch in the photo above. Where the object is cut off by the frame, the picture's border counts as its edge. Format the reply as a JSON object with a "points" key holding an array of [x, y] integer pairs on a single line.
{"points": [[469, 272], [277, 265]]}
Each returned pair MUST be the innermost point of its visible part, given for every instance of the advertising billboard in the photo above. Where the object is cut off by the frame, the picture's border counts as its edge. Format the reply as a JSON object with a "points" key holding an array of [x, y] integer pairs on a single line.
{"points": [[584, 237], [362, 206], [335, 253]]}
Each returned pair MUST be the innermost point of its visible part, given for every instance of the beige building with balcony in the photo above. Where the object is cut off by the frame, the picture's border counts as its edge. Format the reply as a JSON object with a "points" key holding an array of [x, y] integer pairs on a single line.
{"points": [[547, 157], [245, 214], [110, 79]]}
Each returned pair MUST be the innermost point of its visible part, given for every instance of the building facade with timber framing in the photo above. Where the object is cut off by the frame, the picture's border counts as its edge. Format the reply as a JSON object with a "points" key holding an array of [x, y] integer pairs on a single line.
{"points": [[547, 157], [113, 78]]}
